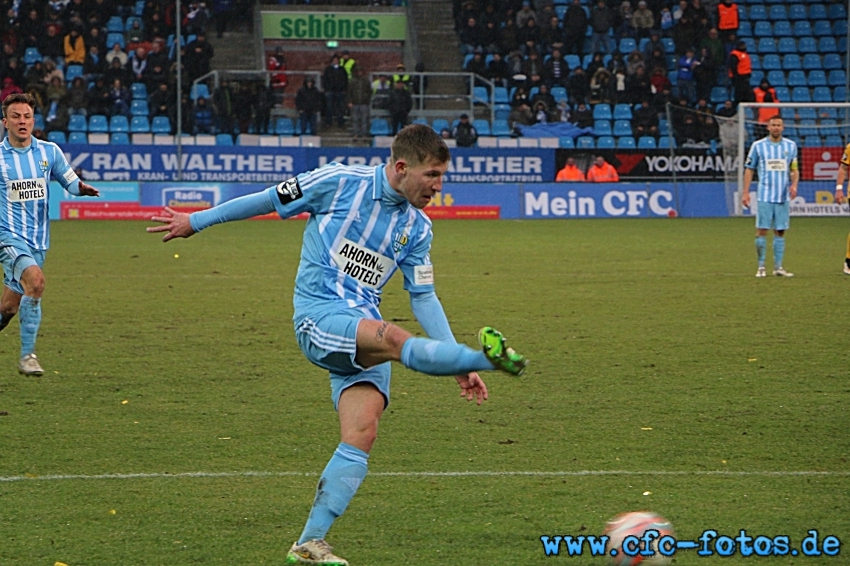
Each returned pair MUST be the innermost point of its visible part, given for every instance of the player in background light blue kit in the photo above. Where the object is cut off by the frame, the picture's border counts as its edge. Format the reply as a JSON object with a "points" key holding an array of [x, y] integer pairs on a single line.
{"points": [[365, 223], [775, 158], [26, 166]]}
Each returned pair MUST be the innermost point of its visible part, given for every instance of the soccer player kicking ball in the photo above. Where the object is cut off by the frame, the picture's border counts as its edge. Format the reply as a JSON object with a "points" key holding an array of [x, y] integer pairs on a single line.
{"points": [[365, 223], [775, 158], [26, 166], [839, 197]]}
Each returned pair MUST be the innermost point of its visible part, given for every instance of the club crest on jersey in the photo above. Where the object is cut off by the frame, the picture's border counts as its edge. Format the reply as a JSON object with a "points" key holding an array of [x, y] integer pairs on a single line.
{"points": [[44, 165], [399, 241], [289, 191]]}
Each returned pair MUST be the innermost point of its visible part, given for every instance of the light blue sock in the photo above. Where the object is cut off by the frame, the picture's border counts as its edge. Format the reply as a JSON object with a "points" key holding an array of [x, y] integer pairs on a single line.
{"points": [[778, 251], [338, 484], [30, 313], [436, 357], [761, 249]]}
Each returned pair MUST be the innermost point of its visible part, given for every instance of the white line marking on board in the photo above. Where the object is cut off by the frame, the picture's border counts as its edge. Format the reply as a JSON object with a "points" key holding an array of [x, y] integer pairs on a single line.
{"points": [[580, 473]]}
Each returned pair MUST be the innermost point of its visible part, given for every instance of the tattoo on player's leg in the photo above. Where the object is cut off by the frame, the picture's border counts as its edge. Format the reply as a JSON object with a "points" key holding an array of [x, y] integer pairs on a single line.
{"points": [[379, 334]]}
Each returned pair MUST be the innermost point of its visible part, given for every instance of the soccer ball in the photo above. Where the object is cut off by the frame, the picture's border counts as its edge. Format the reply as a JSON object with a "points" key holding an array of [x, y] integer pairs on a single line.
{"points": [[635, 524]]}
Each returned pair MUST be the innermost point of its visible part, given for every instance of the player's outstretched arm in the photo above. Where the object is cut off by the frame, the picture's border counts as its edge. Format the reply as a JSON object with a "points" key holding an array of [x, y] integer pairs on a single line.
{"points": [[472, 387], [87, 190], [176, 224]]}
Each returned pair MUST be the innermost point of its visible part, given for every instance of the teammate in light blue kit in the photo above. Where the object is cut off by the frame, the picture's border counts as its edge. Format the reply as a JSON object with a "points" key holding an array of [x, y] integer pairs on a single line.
{"points": [[26, 165], [365, 223], [775, 158]]}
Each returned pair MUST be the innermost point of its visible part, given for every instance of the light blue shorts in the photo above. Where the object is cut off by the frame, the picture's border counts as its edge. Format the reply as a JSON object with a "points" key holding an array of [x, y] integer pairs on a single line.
{"points": [[16, 256], [774, 215], [330, 342]]}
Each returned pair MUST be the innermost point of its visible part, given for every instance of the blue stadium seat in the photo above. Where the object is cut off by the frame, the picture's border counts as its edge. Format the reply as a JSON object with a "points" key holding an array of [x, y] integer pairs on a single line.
{"points": [[663, 126], [756, 77], [602, 111], [832, 61], [482, 127], [802, 28], [812, 141], [533, 92], [791, 62], [222, 139], [752, 46], [128, 25], [115, 25], [57, 137], [501, 128], [811, 61], [763, 28], [626, 142], [140, 125], [833, 141], [421, 121], [72, 72], [31, 55], [797, 12], [742, 12], [669, 45], [807, 127], [500, 95], [782, 29], [139, 8], [827, 45], [719, 94], [283, 127], [807, 45], [787, 45], [119, 124], [782, 93], [817, 77], [439, 124], [560, 10], [572, 61], [665, 142], [113, 38], [767, 45], [745, 29], [622, 112], [602, 128], [502, 111], [627, 45], [829, 127], [139, 107], [77, 123], [199, 90], [755, 61], [559, 93], [162, 125], [98, 124], [788, 114], [771, 62], [758, 12], [837, 77], [796, 78], [839, 94], [777, 12], [78, 138], [39, 121], [822, 28], [776, 78], [379, 127], [646, 142], [817, 12], [119, 138], [480, 95], [622, 128], [139, 91], [837, 12], [839, 28], [821, 94], [566, 143], [800, 94], [585, 142], [606, 142]]}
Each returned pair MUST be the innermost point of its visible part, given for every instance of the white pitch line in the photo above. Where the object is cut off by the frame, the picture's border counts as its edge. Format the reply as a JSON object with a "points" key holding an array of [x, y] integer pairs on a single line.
{"points": [[580, 473]]}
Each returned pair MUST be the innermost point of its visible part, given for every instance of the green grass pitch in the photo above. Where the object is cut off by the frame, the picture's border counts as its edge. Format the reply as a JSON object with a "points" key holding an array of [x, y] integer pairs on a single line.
{"points": [[654, 351]]}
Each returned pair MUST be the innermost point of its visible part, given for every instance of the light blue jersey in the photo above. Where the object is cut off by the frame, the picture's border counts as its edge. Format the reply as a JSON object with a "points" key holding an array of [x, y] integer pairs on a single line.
{"points": [[774, 162], [359, 233], [24, 185]]}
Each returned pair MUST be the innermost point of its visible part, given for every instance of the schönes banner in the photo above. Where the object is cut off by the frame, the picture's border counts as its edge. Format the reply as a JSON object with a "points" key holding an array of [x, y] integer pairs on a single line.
{"points": [[271, 165], [265, 165], [467, 165]]}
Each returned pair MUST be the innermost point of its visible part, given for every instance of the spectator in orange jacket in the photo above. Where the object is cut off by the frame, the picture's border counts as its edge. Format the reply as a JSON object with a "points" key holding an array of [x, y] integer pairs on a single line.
{"points": [[570, 172], [602, 172]]}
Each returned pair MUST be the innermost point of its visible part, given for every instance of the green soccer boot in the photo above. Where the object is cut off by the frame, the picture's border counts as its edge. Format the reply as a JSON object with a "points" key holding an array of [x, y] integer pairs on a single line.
{"points": [[502, 357]]}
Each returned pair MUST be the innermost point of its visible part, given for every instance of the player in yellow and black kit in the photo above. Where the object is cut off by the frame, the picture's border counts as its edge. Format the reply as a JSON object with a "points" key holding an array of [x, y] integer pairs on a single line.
{"points": [[839, 197]]}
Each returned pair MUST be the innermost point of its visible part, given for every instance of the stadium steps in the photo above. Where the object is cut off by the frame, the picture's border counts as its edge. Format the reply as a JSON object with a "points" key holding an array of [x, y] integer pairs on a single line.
{"points": [[236, 50], [439, 50]]}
